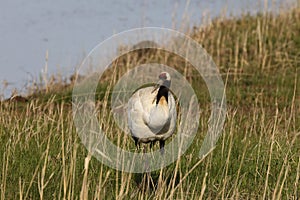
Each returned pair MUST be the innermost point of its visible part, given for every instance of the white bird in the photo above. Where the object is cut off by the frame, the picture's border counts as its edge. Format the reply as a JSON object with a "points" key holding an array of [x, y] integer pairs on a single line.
{"points": [[152, 113]]}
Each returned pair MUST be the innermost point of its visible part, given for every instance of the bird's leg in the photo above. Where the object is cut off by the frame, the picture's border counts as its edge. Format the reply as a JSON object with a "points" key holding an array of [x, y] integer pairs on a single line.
{"points": [[136, 142], [146, 160], [162, 147], [151, 144]]}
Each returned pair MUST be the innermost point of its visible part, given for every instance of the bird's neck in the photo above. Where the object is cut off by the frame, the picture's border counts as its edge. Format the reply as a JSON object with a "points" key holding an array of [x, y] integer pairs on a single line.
{"points": [[162, 92]]}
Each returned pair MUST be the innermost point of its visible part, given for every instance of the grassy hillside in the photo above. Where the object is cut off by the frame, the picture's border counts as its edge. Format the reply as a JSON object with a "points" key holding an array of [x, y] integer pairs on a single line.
{"points": [[258, 155]]}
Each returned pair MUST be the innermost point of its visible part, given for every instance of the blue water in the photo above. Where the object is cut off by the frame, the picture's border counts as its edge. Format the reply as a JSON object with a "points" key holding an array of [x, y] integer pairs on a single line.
{"points": [[69, 29]]}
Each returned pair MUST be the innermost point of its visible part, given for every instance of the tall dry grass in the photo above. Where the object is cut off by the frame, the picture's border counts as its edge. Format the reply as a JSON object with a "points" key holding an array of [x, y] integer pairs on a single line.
{"points": [[257, 157]]}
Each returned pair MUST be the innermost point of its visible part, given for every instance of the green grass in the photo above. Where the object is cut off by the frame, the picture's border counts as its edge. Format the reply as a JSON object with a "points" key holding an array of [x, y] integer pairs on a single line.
{"points": [[257, 156]]}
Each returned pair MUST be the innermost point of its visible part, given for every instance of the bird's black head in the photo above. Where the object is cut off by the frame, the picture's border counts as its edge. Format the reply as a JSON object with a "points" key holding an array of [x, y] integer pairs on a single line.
{"points": [[164, 79]]}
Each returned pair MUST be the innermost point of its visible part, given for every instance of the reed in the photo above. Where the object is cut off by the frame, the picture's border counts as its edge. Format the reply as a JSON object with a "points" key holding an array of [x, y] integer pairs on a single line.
{"points": [[257, 156]]}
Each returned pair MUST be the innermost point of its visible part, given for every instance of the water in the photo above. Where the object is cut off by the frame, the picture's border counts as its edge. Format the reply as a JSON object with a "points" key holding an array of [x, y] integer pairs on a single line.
{"points": [[69, 29]]}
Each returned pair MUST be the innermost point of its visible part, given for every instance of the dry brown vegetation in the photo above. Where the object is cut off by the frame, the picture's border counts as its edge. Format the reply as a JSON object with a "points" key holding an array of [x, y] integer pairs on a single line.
{"points": [[257, 157]]}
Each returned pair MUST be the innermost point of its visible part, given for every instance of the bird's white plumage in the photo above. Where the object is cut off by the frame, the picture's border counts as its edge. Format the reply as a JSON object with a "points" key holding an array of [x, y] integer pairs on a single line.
{"points": [[149, 119]]}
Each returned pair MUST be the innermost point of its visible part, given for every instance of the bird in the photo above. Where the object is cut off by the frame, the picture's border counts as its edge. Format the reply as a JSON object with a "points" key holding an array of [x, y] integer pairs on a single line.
{"points": [[152, 113]]}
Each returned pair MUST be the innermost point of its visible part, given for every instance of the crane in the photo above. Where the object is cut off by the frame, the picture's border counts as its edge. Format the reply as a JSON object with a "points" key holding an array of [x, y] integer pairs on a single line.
{"points": [[152, 113]]}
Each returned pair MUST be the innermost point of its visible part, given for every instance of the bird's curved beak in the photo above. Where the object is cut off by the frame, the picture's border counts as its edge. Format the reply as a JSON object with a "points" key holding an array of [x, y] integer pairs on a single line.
{"points": [[158, 84]]}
